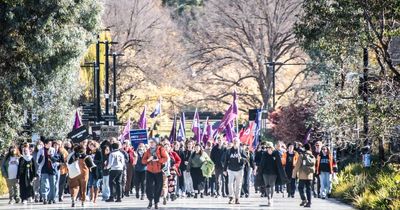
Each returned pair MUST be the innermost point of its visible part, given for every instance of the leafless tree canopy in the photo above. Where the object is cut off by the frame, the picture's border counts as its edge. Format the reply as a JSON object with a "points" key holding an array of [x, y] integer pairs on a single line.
{"points": [[233, 40]]}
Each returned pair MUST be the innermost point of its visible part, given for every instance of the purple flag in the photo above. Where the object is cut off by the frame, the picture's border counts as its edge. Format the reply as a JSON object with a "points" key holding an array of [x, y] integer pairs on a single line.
{"points": [[142, 120], [181, 130], [230, 134], [196, 126], [307, 136], [172, 134], [257, 129], [207, 131], [77, 122], [127, 129], [230, 114]]}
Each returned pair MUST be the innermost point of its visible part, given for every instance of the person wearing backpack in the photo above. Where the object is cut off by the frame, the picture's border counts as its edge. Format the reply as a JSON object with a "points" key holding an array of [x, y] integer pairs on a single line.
{"points": [[305, 168]]}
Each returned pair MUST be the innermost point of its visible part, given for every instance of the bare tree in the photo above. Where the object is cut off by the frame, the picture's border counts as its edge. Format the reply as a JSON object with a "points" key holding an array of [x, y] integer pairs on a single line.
{"points": [[150, 41], [233, 40]]}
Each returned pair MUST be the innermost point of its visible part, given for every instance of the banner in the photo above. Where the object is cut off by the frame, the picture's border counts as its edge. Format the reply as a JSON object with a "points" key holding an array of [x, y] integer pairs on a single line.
{"points": [[138, 136]]}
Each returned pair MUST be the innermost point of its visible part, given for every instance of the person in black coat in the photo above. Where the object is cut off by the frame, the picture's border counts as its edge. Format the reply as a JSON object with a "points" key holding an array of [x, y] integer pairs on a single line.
{"points": [[216, 155], [26, 174], [272, 170]]}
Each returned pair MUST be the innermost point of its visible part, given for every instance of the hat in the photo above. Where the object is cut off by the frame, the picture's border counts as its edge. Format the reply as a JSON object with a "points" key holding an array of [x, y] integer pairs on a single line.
{"points": [[156, 140], [269, 144]]}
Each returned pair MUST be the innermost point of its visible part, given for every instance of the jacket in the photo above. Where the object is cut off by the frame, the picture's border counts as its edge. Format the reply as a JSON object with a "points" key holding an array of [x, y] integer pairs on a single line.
{"points": [[63, 166], [317, 169], [280, 172], [155, 166], [207, 168], [300, 172], [216, 156], [295, 158], [235, 159]]}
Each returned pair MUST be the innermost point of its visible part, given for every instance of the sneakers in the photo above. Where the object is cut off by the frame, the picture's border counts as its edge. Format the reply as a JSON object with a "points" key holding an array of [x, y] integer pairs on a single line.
{"points": [[237, 201], [156, 206], [110, 200], [230, 200], [118, 200], [142, 197], [11, 201], [24, 202], [164, 201], [269, 202], [150, 205], [308, 205], [137, 195], [304, 202]]}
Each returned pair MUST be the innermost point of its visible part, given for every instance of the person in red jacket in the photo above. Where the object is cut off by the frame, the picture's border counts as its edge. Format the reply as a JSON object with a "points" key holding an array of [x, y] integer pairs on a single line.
{"points": [[129, 167], [154, 158]]}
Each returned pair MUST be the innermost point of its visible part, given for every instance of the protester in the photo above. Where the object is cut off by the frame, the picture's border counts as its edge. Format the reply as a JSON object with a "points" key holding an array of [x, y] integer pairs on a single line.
{"points": [[105, 191], [216, 156], [272, 171], [26, 174], [140, 172], [154, 158], [62, 180], [281, 148], [248, 168], [175, 162], [95, 172], [289, 160], [316, 184], [179, 149], [79, 161], [116, 162], [324, 169], [234, 164], [127, 147], [186, 172], [36, 182], [48, 163], [9, 170], [196, 160], [305, 169]]}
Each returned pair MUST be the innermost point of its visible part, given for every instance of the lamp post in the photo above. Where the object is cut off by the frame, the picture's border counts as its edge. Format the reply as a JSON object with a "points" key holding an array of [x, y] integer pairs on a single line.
{"points": [[114, 56], [272, 65]]}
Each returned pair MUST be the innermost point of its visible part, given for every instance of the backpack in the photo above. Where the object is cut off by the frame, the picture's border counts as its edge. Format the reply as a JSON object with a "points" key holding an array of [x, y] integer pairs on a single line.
{"points": [[308, 163]]}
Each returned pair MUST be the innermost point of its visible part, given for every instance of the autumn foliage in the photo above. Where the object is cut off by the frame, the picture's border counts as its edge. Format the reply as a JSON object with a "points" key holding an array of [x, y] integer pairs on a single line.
{"points": [[290, 123]]}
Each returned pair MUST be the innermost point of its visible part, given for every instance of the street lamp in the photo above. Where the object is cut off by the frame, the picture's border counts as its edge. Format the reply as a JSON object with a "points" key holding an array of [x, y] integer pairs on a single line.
{"points": [[114, 56], [272, 65]]}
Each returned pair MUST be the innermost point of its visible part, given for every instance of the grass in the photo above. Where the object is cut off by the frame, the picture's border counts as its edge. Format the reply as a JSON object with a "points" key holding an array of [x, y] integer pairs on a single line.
{"points": [[369, 188]]}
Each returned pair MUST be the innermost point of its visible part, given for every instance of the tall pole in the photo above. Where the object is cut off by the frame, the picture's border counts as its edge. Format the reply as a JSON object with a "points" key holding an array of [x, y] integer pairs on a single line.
{"points": [[365, 91], [97, 81], [115, 86], [107, 91], [273, 85]]}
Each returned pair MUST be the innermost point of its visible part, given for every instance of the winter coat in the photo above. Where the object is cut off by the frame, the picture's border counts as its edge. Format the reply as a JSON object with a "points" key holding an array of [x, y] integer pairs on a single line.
{"points": [[155, 166], [298, 170]]}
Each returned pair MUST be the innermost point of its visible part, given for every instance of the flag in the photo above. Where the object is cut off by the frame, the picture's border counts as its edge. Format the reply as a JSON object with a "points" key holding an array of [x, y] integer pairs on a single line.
{"points": [[172, 134], [196, 126], [207, 131], [247, 135], [229, 133], [257, 129], [230, 114], [181, 130], [142, 120], [307, 136], [127, 129], [77, 122], [157, 110]]}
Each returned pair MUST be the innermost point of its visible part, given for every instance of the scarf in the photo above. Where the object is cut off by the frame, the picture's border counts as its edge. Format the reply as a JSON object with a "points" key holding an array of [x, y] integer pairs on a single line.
{"points": [[27, 157]]}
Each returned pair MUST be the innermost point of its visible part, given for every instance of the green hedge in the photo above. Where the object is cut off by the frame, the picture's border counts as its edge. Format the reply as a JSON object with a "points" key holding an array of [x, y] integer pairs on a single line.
{"points": [[369, 188]]}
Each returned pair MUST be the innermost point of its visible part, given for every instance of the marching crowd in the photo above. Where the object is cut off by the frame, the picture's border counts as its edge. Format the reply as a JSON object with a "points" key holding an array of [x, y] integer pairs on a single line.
{"points": [[163, 171]]}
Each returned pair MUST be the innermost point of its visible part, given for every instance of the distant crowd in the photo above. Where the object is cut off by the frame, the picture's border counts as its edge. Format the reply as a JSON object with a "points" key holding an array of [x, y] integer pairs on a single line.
{"points": [[163, 171]]}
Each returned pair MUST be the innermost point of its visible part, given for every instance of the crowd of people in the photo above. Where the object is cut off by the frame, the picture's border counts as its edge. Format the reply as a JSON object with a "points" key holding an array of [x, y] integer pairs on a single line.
{"points": [[163, 171]]}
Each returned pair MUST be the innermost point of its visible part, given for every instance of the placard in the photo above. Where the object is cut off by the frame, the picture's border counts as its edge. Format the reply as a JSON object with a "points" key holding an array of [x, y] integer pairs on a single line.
{"points": [[138, 136], [78, 134]]}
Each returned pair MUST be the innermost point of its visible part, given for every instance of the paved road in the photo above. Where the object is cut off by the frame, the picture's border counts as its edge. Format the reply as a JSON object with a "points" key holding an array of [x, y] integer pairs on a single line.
{"points": [[254, 202]]}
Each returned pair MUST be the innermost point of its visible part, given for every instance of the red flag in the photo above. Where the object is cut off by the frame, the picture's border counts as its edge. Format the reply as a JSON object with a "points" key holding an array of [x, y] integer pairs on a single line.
{"points": [[248, 135]]}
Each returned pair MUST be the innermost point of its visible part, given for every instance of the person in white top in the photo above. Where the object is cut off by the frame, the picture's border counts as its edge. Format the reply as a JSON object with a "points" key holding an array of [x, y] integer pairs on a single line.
{"points": [[9, 170], [116, 161]]}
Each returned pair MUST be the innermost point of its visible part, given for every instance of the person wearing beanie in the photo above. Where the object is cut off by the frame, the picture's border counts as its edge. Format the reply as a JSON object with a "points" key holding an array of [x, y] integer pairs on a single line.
{"points": [[305, 169]]}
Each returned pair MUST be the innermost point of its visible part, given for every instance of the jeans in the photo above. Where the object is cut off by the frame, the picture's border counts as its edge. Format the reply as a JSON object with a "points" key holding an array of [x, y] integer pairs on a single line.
{"points": [[246, 182], [269, 181], [48, 186], [291, 187], [13, 188], [115, 182], [188, 182], [61, 185], [316, 184], [325, 179], [154, 183], [219, 181], [105, 192], [307, 185], [57, 181], [235, 178]]}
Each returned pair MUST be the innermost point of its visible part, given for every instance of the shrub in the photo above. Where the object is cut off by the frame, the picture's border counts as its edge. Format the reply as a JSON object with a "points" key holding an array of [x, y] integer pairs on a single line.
{"points": [[3, 185], [369, 188]]}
